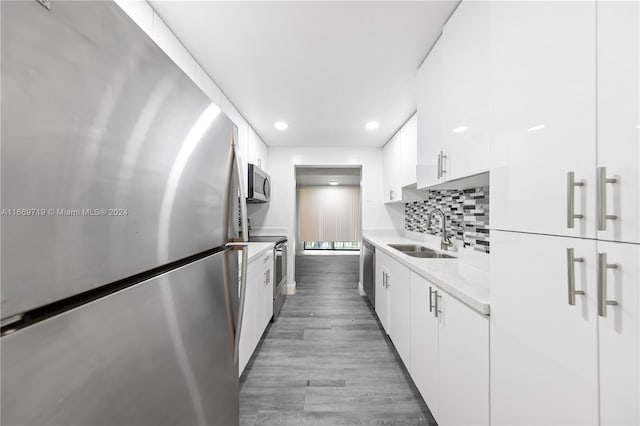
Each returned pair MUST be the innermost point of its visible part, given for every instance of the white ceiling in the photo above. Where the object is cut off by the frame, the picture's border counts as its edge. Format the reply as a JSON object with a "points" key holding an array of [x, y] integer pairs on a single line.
{"points": [[321, 176], [324, 67]]}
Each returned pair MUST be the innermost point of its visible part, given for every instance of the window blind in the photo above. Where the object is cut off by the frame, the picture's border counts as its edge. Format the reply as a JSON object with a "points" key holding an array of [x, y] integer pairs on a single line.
{"points": [[329, 213]]}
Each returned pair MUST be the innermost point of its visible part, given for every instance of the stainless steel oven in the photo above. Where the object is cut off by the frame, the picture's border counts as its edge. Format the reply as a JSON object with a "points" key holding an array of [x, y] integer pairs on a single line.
{"points": [[280, 268], [258, 185]]}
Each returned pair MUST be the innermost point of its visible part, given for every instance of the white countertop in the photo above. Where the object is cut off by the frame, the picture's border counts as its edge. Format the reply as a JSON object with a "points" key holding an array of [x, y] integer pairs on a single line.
{"points": [[256, 249], [461, 280]]}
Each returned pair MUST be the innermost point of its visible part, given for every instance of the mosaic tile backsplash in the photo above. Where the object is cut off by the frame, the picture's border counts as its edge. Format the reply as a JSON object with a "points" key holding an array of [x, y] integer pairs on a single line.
{"points": [[467, 212]]}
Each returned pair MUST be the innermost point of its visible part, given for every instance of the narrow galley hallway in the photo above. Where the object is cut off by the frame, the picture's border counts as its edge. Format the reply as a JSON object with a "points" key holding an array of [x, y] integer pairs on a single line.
{"points": [[326, 360]]}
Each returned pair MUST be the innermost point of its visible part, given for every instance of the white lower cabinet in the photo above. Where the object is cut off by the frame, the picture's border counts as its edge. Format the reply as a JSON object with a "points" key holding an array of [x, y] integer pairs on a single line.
{"points": [[258, 306], [544, 357], [249, 319], [555, 358], [619, 335], [399, 286], [424, 342], [265, 283], [382, 299], [463, 364], [450, 355], [393, 299]]}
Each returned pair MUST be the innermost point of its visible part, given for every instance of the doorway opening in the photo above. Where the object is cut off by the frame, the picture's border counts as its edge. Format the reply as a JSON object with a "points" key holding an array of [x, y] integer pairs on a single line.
{"points": [[328, 209]]}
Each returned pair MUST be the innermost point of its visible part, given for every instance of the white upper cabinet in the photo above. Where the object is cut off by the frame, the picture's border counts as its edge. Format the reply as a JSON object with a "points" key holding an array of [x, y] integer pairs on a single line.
{"points": [[399, 160], [429, 100], [391, 169], [409, 143], [619, 118], [543, 57], [466, 84], [258, 153]]}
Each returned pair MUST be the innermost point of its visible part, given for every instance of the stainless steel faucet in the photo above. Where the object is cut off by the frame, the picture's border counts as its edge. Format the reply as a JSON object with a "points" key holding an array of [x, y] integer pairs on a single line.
{"points": [[445, 243]]}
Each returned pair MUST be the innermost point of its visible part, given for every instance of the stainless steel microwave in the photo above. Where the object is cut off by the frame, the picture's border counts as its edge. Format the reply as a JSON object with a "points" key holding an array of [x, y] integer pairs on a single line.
{"points": [[259, 185]]}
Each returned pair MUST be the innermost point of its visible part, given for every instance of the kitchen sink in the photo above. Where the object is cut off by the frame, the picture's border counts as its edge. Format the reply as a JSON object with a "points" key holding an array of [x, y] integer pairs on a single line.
{"points": [[410, 248], [429, 254], [420, 251]]}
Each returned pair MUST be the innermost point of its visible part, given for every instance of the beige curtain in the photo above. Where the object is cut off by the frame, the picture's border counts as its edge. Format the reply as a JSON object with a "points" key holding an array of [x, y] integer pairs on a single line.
{"points": [[329, 213]]}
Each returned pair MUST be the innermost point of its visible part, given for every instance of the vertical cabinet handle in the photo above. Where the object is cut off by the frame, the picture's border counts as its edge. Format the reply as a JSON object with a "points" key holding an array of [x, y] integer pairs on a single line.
{"points": [[443, 168], [571, 194], [439, 165], [384, 279], [433, 302], [571, 276], [602, 284], [430, 299], [601, 199]]}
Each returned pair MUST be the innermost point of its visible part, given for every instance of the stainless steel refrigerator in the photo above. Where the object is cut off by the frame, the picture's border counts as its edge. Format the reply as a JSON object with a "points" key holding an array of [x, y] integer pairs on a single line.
{"points": [[121, 302]]}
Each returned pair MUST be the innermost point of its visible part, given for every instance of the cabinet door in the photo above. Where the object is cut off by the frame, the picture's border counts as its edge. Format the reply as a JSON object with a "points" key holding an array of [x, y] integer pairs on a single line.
{"points": [[543, 115], [248, 339], [463, 364], [266, 293], [429, 100], [618, 115], [543, 350], [619, 336], [465, 108], [391, 159], [424, 343], [399, 289], [257, 151], [409, 144], [382, 295]]}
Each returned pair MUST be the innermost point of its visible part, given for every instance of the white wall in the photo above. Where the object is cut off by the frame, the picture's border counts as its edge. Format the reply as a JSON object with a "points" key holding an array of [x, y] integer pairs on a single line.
{"points": [[251, 147], [280, 213]]}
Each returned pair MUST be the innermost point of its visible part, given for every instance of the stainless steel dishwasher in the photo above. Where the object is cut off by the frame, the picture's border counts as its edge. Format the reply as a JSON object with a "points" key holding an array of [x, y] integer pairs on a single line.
{"points": [[369, 271]]}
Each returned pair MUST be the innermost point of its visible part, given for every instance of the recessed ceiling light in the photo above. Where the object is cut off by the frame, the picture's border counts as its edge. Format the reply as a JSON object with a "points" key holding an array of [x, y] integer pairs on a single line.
{"points": [[460, 129], [280, 125], [372, 125], [333, 182]]}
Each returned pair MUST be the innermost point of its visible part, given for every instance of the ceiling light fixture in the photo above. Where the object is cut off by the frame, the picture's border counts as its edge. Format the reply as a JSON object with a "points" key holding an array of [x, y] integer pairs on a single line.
{"points": [[333, 182], [460, 129], [280, 125], [372, 125]]}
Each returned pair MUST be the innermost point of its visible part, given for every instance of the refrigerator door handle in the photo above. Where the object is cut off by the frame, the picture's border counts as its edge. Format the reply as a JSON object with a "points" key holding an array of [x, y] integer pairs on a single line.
{"points": [[240, 312], [245, 258], [243, 204]]}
